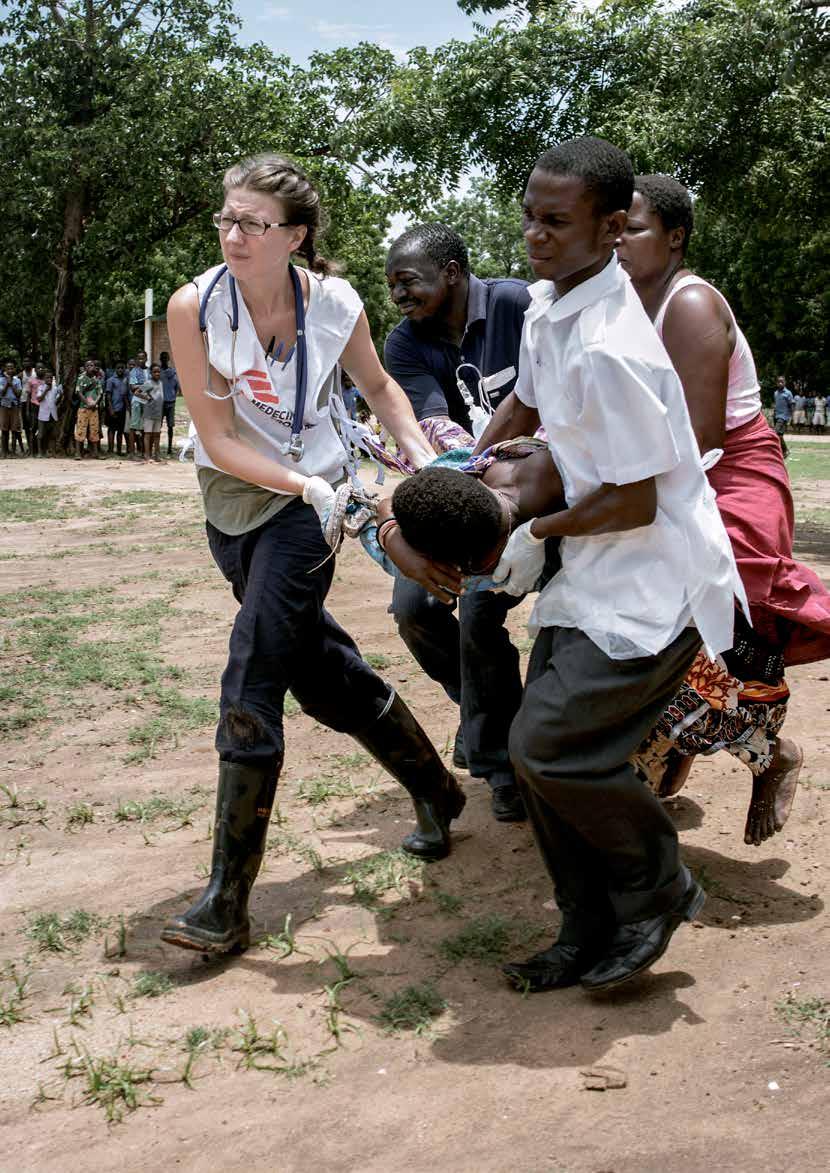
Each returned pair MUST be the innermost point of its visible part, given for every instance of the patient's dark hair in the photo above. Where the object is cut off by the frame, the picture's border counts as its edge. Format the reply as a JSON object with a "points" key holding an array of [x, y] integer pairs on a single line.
{"points": [[448, 516]]}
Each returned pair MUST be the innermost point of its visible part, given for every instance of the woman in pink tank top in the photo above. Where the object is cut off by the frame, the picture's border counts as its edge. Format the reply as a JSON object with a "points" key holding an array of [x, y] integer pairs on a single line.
{"points": [[790, 608]]}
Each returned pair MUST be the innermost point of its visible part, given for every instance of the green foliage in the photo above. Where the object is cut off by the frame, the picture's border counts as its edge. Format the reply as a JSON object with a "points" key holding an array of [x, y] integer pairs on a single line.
{"points": [[113, 163], [490, 222]]}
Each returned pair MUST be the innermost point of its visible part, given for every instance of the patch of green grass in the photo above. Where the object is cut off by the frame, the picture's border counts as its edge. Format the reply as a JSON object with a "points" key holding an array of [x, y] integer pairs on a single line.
{"points": [[334, 1026], [807, 1013], [298, 848], [62, 645], [151, 984], [47, 504], [17, 811], [81, 1002], [79, 815], [197, 1040], [47, 600], [265, 1052], [290, 706], [804, 515], [487, 938], [177, 713], [151, 499], [179, 808], [53, 933], [808, 462], [316, 791], [110, 1084], [11, 1003], [377, 660], [387, 871], [284, 942], [447, 903], [348, 761], [412, 1008]]}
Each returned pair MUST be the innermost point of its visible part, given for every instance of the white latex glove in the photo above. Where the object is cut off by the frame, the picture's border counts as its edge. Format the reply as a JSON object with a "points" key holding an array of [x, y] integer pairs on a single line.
{"points": [[320, 495], [521, 562]]}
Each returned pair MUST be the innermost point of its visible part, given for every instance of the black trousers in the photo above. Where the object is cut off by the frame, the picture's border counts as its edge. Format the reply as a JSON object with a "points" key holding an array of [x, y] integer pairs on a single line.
{"points": [[472, 657], [607, 842], [283, 638]]}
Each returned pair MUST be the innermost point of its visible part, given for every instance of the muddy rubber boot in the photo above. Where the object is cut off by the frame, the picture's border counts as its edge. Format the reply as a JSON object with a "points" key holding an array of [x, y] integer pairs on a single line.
{"points": [[400, 745], [218, 921]]}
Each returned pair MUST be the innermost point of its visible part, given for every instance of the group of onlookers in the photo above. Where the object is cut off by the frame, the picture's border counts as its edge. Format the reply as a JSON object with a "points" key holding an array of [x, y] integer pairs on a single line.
{"points": [[28, 406], [130, 399]]}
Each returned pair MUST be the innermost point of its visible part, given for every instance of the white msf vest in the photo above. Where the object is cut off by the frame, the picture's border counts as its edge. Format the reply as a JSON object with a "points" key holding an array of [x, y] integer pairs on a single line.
{"points": [[264, 402]]}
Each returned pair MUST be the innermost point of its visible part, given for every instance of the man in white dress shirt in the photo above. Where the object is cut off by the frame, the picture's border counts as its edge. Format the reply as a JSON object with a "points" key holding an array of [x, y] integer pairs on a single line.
{"points": [[647, 574]]}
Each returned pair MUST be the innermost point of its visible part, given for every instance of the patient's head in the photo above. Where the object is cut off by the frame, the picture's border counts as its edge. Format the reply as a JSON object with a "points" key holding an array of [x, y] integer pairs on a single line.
{"points": [[450, 516]]}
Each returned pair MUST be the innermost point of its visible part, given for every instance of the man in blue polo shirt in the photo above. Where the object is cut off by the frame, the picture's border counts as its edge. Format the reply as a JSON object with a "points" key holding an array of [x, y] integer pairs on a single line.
{"points": [[457, 328]]}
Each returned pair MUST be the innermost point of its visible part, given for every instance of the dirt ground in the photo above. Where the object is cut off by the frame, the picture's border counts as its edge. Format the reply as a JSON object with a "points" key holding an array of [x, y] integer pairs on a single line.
{"points": [[114, 630]]}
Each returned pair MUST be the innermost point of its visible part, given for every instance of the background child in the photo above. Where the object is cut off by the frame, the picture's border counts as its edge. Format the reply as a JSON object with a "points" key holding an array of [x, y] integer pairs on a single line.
{"points": [[11, 390], [89, 391], [152, 392]]}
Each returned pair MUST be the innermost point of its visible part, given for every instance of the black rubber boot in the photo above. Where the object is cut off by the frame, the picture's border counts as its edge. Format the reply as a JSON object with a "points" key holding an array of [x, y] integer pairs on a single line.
{"points": [[398, 742], [218, 921]]}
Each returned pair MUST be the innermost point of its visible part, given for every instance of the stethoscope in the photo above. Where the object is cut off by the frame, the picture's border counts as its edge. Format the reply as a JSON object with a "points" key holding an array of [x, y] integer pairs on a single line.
{"points": [[481, 412], [295, 448]]}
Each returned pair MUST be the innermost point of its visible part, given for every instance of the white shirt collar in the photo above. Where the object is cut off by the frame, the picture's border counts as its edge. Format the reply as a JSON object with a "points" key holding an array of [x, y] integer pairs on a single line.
{"points": [[544, 301]]}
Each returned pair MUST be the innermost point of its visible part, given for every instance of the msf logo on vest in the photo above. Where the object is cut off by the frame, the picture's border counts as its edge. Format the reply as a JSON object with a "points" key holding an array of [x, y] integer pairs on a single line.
{"points": [[261, 393]]}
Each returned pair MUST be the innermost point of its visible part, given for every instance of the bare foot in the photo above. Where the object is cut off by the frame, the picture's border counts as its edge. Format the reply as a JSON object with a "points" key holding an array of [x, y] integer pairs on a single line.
{"points": [[773, 793]]}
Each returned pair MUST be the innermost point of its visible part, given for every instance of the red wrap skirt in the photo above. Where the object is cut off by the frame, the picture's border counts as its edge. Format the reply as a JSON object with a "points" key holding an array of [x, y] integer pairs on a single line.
{"points": [[755, 502]]}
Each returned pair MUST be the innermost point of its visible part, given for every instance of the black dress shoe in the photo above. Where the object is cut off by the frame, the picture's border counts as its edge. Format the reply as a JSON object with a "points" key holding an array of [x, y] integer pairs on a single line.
{"points": [[552, 969], [459, 753], [636, 946], [508, 805]]}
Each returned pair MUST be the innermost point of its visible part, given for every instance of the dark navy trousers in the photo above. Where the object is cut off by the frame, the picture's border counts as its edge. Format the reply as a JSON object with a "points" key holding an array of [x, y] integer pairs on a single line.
{"points": [[283, 638]]}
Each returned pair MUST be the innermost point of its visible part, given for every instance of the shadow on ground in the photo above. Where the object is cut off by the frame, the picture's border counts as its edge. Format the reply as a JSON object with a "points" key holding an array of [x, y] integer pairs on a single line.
{"points": [[493, 870]]}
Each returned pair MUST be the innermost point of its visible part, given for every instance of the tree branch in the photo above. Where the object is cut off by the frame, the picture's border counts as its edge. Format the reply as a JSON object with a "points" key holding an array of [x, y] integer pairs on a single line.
{"points": [[161, 21], [128, 20]]}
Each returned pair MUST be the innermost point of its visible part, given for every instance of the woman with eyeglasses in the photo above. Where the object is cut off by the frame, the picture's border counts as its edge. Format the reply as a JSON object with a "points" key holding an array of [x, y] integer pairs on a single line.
{"points": [[258, 344]]}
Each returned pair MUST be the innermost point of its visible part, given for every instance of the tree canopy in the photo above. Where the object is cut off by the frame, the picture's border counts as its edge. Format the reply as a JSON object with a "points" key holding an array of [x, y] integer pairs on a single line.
{"points": [[118, 118]]}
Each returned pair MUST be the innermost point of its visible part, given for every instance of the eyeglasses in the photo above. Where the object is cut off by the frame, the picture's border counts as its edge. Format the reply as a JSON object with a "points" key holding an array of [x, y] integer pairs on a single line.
{"points": [[247, 226]]}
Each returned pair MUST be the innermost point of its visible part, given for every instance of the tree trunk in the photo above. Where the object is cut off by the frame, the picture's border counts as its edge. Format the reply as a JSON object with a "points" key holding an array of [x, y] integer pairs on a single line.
{"points": [[67, 311]]}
